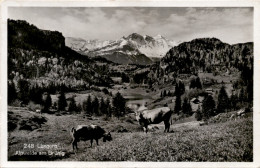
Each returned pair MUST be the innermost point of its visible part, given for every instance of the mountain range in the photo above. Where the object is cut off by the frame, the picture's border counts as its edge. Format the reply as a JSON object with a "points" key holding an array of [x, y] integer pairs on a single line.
{"points": [[135, 48]]}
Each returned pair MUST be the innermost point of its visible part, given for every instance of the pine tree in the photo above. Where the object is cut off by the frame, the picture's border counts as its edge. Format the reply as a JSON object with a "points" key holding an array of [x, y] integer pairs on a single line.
{"points": [[23, 91], [195, 83], [192, 83], [198, 115], [208, 107], [46, 101], [12, 95], [72, 105], [249, 90], [181, 88], [36, 94], [62, 103], [186, 107], [79, 107], [198, 83], [119, 104], [109, 108], [233, 101], [177, 90], [103, 107], [242, 95], [164, 93], [95, 106], [177, 107], [223, 101], [87, 106]]}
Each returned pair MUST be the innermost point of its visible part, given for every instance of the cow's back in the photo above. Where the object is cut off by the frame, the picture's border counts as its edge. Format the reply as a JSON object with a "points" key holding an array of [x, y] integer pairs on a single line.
{"points": [[156, 115], [87, 132]]}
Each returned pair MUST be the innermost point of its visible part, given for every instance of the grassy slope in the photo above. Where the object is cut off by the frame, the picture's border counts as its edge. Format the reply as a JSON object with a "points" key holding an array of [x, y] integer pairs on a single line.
{"points": [[231, 141], [228, 141]]}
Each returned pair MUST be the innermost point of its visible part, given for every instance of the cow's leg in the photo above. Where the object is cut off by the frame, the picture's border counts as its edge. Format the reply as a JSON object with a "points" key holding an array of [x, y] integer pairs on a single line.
{"points": [[146, 128], [167, 126], [74, 144], [97, 141]]}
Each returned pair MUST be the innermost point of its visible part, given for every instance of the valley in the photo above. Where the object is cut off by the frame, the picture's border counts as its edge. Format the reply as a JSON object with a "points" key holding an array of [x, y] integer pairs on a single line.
{"points": [[56, 83]]}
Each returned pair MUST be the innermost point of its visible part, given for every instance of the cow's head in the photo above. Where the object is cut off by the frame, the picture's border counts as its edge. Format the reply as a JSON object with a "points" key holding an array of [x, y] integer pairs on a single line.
{"points": [[107, 137], [139, 112]]}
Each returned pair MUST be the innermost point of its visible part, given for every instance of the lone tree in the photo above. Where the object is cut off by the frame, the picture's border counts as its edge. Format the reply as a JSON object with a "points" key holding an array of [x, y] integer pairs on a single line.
{"points": [[208, 107], [186, 107], [223, 101], [62, 103], [119, 105]]}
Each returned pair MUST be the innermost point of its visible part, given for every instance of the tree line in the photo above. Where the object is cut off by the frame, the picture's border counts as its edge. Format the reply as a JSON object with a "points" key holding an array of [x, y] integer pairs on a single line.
{"points": [[209, 107]]}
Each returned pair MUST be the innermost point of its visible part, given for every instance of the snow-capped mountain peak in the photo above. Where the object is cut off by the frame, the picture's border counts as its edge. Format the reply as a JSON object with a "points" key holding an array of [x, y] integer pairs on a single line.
{"points": [[133, 44]]}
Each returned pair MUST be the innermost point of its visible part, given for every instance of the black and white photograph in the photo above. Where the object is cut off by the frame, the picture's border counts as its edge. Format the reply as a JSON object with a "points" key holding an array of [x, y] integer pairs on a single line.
{"points": [[130, 83]]}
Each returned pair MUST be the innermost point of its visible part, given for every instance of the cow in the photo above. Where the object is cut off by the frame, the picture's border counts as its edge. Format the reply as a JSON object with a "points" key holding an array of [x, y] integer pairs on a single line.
{"points": [[88, 132], [146, 117]]}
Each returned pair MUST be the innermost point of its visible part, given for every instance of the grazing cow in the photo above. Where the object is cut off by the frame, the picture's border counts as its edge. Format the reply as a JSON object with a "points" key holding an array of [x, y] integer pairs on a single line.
{"points": [[146, 117], [88, 132]]}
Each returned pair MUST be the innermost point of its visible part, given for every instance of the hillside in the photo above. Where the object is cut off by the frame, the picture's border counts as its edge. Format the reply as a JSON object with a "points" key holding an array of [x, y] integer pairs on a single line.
{"points": [[205, 55], [228, 141], [41, 57]]}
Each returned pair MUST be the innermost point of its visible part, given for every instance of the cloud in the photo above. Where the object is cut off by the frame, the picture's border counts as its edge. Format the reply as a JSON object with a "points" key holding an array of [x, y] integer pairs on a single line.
{"points": [[231, 25]]}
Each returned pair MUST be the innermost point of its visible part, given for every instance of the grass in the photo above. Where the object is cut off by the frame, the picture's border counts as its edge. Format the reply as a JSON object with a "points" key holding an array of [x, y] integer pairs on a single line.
{"points": [[225, 141], [231, 141]]}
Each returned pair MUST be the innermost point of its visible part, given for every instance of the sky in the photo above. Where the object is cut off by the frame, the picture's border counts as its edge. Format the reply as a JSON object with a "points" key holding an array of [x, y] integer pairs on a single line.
{"points": [[230, 25]]}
